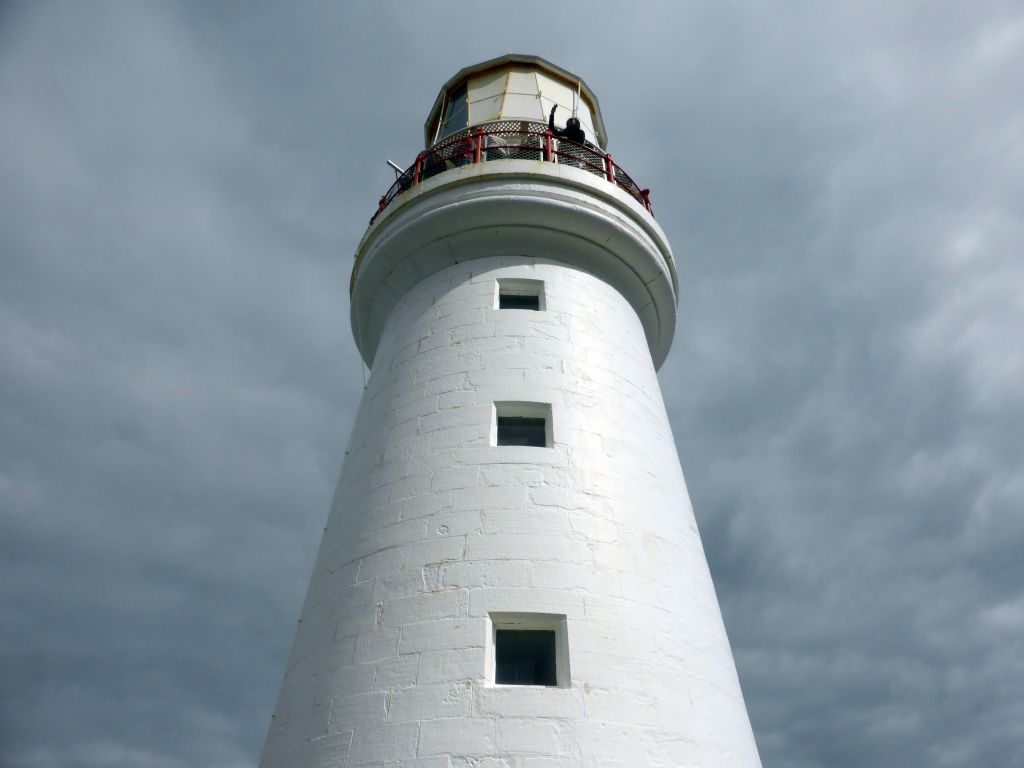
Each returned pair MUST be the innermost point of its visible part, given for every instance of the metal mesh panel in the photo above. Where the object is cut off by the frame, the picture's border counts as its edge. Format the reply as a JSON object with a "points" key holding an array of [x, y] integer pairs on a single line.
{"points": [[580, 156], [526, 148], [623, 181], [514, 126], [506, 140]]}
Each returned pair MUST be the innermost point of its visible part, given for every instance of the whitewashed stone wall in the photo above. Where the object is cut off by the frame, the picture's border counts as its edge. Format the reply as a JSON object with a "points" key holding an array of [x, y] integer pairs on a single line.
{"points": [[433, 528]]}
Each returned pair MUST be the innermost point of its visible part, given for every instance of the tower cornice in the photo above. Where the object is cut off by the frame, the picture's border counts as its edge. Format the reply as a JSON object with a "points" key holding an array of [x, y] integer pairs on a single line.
{"points": [[515, 208]]}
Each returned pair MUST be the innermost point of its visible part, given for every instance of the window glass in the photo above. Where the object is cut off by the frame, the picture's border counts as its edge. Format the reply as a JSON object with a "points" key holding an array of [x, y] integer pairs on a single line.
{"points": [[522, 430], [523, 106], [484, 110], [457, 115], [525, 657], [518, 293], [487, 85], [522, 81], [518, 301], [558, 92]]}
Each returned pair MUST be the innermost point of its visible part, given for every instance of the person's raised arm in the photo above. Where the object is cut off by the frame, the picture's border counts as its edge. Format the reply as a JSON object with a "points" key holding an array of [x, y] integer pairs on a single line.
{"points": [[551, 119]]}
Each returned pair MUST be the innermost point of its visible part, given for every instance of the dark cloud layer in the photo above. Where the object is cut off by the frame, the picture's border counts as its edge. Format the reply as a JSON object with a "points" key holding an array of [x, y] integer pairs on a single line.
{"points": [[181, 190]]}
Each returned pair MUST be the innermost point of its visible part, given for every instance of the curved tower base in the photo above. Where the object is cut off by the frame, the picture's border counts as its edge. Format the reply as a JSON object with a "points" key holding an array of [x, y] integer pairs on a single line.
{"points": [[511, 575], [436, 534]]}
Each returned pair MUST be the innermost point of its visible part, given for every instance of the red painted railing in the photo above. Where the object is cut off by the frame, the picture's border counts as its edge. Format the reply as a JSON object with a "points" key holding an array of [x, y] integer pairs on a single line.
{"points": [[511, 141]]}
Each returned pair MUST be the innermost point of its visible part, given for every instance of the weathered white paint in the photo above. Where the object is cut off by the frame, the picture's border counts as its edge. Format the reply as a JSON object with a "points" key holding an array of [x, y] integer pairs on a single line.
{"points": [[434, 530], [510, 207]]}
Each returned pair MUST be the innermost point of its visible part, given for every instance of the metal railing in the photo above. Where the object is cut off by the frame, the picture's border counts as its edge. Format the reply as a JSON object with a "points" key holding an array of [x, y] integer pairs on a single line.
{"points": [[511, 140]]}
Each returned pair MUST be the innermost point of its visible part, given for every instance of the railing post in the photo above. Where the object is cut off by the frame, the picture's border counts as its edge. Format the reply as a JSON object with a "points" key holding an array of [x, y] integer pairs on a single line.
{"points": [[419, 169], [472, 148], [381, 204]]}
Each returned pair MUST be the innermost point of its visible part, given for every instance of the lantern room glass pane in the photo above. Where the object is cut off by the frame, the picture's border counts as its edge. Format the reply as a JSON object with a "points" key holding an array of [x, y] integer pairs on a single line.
{"points": [[457, 116], [523, 107], [558, 92], [520, 81], [484, 110], [488, 84], [546, 104]]}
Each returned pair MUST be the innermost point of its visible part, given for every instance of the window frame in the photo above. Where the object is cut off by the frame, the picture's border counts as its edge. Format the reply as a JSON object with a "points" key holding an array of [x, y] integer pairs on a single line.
{"points": [[555, 622], [542, 647], [522, 409], [516, 286]]}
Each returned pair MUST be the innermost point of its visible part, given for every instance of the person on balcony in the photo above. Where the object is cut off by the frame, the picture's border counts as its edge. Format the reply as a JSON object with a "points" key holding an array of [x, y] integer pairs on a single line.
{"points": [[572, 131]]}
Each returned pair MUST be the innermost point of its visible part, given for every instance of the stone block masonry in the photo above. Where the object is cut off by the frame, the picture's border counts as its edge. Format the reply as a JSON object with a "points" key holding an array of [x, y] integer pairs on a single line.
{"points": [[434, 528], [511, 505]]}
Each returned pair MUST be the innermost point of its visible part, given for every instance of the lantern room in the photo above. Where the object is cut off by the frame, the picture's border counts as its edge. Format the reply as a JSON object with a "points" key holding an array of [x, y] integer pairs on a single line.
{"points": [[514, 88]]}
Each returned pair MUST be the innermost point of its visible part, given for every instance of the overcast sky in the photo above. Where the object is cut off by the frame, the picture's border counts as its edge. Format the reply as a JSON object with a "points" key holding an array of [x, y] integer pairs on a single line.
{"points": [[182, 187]]}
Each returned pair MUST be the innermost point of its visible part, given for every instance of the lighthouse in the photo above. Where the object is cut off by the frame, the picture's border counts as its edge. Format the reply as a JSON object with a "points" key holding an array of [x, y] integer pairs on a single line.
{"points": [[511, 575]]}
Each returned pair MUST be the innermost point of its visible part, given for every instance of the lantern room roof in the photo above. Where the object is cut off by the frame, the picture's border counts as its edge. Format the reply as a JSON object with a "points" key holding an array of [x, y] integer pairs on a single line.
{"points": [[576, 82]]}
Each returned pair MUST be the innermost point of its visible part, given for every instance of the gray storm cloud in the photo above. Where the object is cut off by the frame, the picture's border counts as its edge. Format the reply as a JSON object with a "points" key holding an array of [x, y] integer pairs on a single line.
{"points": [[182, 188]]}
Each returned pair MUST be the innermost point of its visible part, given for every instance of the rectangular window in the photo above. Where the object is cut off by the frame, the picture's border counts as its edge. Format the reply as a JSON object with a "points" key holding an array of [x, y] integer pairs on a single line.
{"points": [[522, 430], [518, 301], [520, 294], [524, 657], [526, 424], [528, 649]]}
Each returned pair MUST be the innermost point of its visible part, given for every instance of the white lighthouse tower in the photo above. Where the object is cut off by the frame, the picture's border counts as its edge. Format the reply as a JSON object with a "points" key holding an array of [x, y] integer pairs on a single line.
{"points": [[511, 575]]}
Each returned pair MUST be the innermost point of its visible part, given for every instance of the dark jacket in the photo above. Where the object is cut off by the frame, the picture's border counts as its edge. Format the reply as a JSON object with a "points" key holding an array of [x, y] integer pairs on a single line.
{"points": [[572, 133]]}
